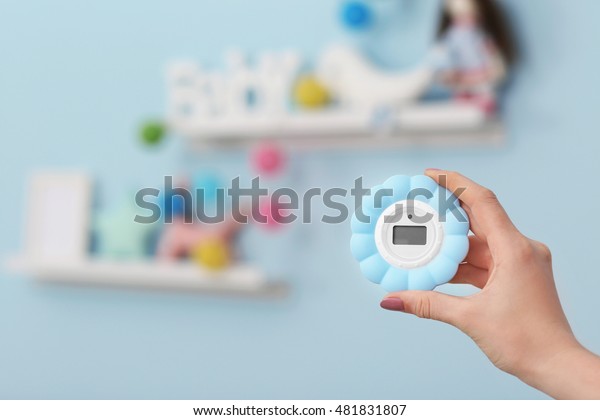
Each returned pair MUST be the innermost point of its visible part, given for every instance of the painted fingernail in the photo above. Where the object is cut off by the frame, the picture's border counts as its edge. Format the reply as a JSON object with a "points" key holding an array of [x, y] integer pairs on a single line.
{"points": [[393, 304]]}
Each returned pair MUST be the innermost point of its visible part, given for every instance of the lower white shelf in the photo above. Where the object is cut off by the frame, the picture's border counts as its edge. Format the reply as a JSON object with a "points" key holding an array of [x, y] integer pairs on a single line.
{"points": [[239, 279]]}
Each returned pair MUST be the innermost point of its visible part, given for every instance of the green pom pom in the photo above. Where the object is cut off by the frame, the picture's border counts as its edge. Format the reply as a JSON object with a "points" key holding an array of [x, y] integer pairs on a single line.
{"points": [[152, 133]]}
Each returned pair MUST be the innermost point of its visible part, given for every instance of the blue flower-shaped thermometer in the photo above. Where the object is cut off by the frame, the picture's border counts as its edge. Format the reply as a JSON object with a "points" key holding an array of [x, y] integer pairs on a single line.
{"points": [[410, 234]]}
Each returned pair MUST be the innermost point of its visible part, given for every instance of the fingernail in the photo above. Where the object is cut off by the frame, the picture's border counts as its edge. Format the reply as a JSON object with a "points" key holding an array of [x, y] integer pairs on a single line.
{"points": [[393, 304]]}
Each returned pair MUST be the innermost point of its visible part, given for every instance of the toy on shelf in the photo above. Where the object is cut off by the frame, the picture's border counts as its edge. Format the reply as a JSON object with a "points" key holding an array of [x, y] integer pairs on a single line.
{"points": [[310, 93], [179, 239], [476, 49], [212, 254], [184, 236], [173, 205], [119, 236], [268, 158]]}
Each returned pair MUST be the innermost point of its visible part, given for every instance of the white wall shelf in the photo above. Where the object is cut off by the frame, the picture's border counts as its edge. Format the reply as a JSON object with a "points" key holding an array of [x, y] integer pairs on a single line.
{"points": [[433, 125], [242, 280], [492, 134]]}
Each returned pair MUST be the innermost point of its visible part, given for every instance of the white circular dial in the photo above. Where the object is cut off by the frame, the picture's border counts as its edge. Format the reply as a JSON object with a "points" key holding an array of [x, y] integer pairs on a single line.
{"points": [[409, 234]]}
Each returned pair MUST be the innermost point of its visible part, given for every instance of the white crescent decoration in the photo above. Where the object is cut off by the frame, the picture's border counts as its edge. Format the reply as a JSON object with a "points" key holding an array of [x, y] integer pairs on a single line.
{"points": [[357, 84]]}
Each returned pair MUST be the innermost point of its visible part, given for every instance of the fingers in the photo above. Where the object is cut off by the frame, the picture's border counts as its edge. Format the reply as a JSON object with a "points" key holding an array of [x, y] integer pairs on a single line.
{"points": [[479, 253], [489, 217], [469, 274], [428, 305]]}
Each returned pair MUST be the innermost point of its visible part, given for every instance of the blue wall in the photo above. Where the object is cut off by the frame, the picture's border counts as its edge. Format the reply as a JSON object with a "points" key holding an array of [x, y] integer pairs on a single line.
{"points": [[74, 79]]}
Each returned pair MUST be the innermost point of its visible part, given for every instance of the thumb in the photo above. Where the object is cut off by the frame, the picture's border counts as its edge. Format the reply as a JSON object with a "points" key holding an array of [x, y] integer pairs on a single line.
{"points": [[428, 305]]}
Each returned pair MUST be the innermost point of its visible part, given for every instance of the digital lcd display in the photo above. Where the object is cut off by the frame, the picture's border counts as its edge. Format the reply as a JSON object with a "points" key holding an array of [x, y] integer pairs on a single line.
{"points": [[410, 235]]}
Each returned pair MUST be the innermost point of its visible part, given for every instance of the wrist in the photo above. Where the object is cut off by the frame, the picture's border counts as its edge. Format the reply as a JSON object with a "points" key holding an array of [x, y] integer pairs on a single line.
{"points": [[568, 371]]}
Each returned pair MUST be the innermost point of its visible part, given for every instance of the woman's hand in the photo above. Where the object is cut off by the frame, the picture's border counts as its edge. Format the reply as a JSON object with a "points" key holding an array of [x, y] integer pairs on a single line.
{"points": [[516, 318]]}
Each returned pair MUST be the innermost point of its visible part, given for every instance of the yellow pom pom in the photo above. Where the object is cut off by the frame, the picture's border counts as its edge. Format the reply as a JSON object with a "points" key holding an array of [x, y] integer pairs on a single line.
{"points": [[211, 254], [310, 93]]}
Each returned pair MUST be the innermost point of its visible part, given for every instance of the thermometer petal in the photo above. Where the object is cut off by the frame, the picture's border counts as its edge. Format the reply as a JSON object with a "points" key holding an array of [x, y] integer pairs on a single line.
{"points": [[422, 182], [442, 269], [455, 248], [401, 186], [359, 226], [421, 279], [395, 280], [374, 268], [363, 246]]}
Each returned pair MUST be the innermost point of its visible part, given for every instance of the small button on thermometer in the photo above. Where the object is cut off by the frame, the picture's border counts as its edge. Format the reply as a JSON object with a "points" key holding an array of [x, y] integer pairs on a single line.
{"points": [[410, 234]]}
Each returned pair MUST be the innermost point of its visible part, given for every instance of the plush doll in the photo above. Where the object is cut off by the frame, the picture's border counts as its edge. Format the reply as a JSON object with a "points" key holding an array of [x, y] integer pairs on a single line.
{"points": [[477, 49]]}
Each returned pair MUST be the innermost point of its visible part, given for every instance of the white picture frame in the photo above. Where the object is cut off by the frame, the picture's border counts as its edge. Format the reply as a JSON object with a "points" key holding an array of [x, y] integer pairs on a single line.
{"points": [[58, 217]]}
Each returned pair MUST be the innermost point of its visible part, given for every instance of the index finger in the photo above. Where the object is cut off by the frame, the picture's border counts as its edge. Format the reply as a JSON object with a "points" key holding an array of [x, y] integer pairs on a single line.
{"points": [[490, 218]]}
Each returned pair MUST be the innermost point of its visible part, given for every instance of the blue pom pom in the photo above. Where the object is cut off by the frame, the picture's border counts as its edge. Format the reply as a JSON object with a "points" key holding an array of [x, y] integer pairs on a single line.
{"points": [[206, 185], [356, 15], [174, 206]]}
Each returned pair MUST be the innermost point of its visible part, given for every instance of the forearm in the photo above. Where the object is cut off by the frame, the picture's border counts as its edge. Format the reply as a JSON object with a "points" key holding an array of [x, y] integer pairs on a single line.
{"points": [[573, 374]]}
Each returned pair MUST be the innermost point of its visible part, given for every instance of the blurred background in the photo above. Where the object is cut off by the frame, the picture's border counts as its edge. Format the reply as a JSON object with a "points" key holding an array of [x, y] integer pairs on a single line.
{"points": [[76, 79]]}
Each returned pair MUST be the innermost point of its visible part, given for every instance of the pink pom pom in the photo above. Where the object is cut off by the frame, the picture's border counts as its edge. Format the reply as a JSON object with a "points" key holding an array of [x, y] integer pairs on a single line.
{"points": [[274, 214], [268, 159]]}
